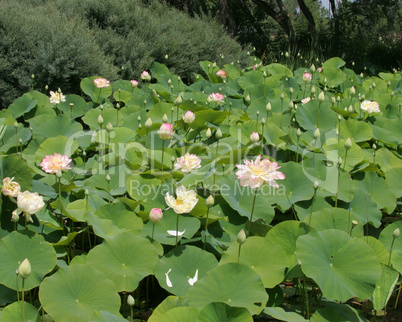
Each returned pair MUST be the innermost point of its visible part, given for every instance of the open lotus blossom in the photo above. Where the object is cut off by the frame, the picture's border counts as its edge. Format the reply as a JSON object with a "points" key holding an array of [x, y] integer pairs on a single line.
{"points": [[370, 107], [176, 233], [221, 73], [145, 76], [56, 97], [134, 83], [184, 202], [168, 282], [189, 117], [216, 97], [307, 77], [101, 82], [10, 188], [56, 162], [305, 100], [188, 163], [258, 172], [191, 281], [166, 131], [28, 203]]}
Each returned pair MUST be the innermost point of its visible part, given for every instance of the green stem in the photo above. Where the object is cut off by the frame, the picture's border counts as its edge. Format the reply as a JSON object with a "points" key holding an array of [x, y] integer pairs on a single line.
{"points": [[163, 152], [344, 162], [390, 252], [206, 228], [238, 254], [22, 300], [337, 188], [311, 211], [18, 293], [318, 115], [252, 212], [297, 149], [108, 190], [153, 229], [306, 296], [177, 229]]}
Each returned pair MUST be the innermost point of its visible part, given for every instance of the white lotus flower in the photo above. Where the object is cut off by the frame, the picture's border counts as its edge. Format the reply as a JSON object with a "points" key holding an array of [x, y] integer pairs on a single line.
{"points": [[176, 233], [191, 281], [185, 201]]}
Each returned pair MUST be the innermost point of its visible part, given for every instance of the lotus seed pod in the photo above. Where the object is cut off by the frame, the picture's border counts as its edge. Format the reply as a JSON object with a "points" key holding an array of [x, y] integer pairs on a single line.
{"points": [[396, 233], [109, 127], [348, 144], [268, 107], [317, 133], [24, 270], [210, 201], [15, 217], [282, 96], [165, 118], [321, 97], [148, 123], [352, 91], [316, 185], [354, 223], [291, 90], [100, 119], [218, 134], [130, 299], [298, 132], [241, 237], [208, 133]]}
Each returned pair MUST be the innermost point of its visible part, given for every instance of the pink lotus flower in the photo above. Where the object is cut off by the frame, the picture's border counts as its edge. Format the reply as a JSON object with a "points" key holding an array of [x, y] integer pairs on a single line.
{"points": [[307, 77], [134, 83], [319, 69], [56, 162], [216, 97], [189, 117], [370, 107], [145, 76], [56, 97], [254, 137], [305, 100], [188, 163], [155, 215], [10, 188], [28, 203], [166, 131], [222, 74], [101, 82], [258, 172]]}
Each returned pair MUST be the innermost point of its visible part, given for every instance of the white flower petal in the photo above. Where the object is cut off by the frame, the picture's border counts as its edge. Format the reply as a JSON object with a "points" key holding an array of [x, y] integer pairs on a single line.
{"points": [[168, 282], [176, 233], [191, 281]]}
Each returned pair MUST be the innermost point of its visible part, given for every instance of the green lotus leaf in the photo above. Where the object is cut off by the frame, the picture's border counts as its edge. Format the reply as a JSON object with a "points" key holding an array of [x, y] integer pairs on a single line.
{"points": [[97, 94], [335, 149], [58, 125], [384, 287], [181, 314], [365, 209], [218, 286], [329, 258], [334, 76], [378, 248], [262, 255], [337, 312], [251, 78], [167, 304], [278, 69], [109, 115], [125, 260], [386, 238], [387, 160], [58, 144], [393, 179], [11, 139], [355, 130], [13, 312], [116, 185], [387, 131], [16, 247], [76, 292], [7, 295], [307, 116], [77, 110], [102, 316], [183, 266], [14, 167], [280, 314], [22, 105], [223, 312], [334, 62]]}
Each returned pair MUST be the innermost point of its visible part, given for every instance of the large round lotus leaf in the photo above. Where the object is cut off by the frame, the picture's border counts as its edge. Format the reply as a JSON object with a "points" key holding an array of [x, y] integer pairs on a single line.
{"points": [[241, 198], [109, 115], [393, 180], [334, 218], [262, 255], [59, 144], [357, 131], [386, 238], [282, 315], [285, 234], [57, 125], [187, 224], [77, 110], [337, 312], [329, 258], [222, 312], [103, 316], [22, 105], [334, 76], [75, 292], [334, 62], [387, 160], [384, 287], [307, 116], [168, 303], [183, 266], [234, 284], [97, 94], [13, 312], [14, 167], [365, 209], [378, 248], [17, 246], [372, 185], [251, 78], [125, 260], [181, 314]]}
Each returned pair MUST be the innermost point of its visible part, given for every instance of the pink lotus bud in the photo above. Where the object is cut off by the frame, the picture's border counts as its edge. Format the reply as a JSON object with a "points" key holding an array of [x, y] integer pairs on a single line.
{"points": [[254, 137], [166, 131], [134, 83], [307, 77], [155, 215], [222, 74], [145, 76], [189, 117]]}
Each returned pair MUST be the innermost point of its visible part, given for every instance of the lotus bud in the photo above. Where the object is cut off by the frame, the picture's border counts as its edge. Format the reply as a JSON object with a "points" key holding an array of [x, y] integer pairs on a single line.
{"points": [[370, 88], [291, 105], [155, 215], [15, 125], [109, 127], [189, 117], [118, 106], [218, 134], [291, 90], [325, 80], [348, 144], [241, 237], [257, 113], [59, 174], [165, 118], [287, 55], [282, 96], [108, 178], [148, 123], [350, 109], [208, 133], [46, 88], [210, 201], [312, 89], [388, 83], [392, 94], [396, 233], [214, 65], [338, 99], [24, 270], [130, 299], [264, 74], [86, 192], [299, 262], [353, 63], [352, 91], [374, 146], [298, 132], [339, 117], [316, 185], [254, 137], [333, 99], [317, 133], [248, 99], [178, 100], [263, 121], [361, 75], [374, 85], [15, 217], [340, 161], [100, 119], [268, 107], [312, 68], [166, 131]]}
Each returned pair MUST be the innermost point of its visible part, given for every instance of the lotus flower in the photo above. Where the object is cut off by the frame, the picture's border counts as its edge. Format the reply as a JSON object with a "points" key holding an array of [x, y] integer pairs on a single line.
{"points": [[56, 162], [28, 203], [370, 107], [307, 77], [189, 117], [10, 188], [188, 163], [222, 74], [155, 215], [216, 97], [166, 131], [101, 82], [134, 83], [184, 202], [145, 76], [56, 97]]}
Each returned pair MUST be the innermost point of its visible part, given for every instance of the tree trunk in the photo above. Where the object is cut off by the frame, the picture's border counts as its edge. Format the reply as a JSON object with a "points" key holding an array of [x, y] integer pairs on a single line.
{"points": [[336, 26], [311, 23]]}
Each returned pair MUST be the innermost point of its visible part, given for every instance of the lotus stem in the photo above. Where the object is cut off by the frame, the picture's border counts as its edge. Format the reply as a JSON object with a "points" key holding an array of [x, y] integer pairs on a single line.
{"points": [[311, 210], [153, 230], [206, 228], [238, 254], [252, 212], [177, 229], [307, 300], [22, 299], [163, 152]]}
